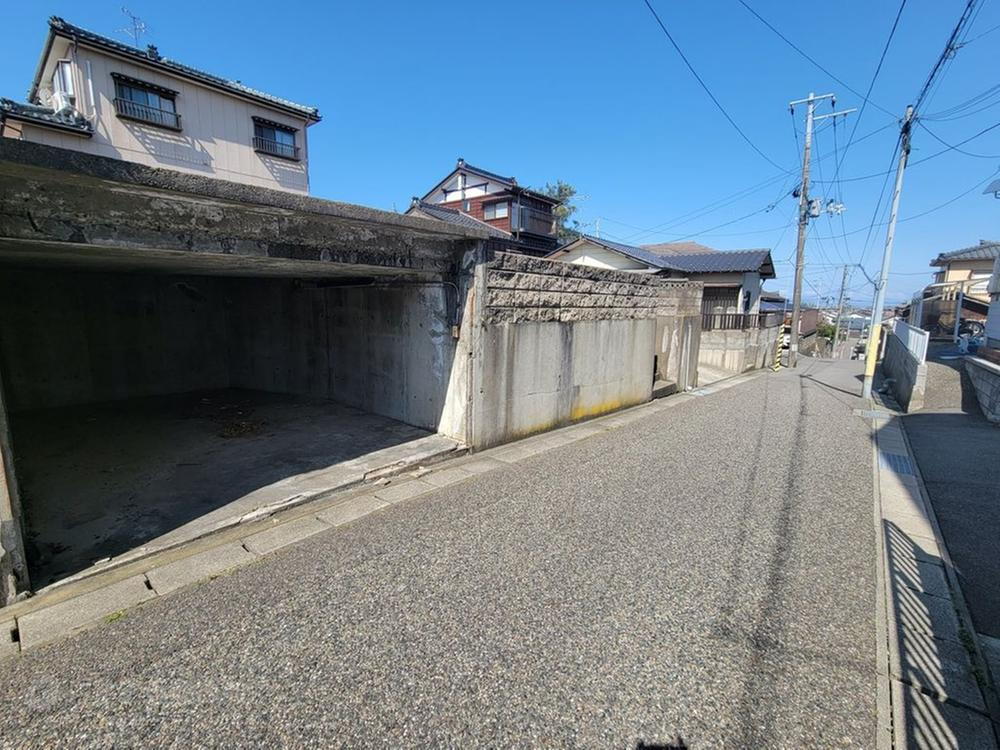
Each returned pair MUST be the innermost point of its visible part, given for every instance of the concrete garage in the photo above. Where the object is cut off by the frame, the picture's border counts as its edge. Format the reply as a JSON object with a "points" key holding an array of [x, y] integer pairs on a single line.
{"points": [[202, 360], [148, 408]]}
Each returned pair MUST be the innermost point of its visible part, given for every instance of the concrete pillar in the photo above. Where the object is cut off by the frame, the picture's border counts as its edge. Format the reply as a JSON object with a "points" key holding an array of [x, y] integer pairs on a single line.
{"points": [[13, 564]]}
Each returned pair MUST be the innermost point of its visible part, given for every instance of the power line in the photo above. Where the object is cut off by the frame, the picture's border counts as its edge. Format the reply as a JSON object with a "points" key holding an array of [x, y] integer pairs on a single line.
{"points": [[708, 91], [804, 54], [946, 54], [956, 148]]}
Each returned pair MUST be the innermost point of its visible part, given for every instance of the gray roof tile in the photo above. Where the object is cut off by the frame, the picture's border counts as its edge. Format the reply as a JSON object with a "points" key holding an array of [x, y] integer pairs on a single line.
{"points": [[985, 250], [710, 261], [453, 216], [69, 120]]}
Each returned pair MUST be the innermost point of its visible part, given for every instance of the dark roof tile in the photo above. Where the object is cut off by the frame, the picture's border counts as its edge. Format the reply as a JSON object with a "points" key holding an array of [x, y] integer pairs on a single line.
{"points": [[36, 113], [985, 250], [453, 216]]}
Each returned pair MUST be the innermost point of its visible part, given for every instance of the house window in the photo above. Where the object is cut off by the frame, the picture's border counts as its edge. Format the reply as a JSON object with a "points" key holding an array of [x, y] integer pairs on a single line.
{"points": [[496, 210], [274, 139], [135, 100], [62, 81]]}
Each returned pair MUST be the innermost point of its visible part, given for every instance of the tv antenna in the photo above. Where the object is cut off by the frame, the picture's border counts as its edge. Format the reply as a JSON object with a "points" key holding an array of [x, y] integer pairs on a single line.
{"points": [[137, 28]]}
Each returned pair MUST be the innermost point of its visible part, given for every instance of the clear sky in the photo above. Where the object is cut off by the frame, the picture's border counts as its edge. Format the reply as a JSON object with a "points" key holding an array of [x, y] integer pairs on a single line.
{"points": [[593, 93]]}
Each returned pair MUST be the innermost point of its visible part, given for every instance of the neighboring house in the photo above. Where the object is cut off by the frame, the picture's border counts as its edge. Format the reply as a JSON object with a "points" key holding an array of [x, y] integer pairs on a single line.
{"points": [[732, 279], [97, 95], [957, 300], [970, 264], [501, 240], [993, 319], [525, 216]]}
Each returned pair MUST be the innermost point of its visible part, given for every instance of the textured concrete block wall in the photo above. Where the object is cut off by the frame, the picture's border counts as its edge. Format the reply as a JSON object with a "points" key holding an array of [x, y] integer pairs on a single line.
{"points": [[523, 289], [908, 375], [985, 377]]}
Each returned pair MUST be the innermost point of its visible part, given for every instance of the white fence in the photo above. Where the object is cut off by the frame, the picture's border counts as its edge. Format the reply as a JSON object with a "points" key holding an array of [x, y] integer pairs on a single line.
{"points": [[914, 339]]}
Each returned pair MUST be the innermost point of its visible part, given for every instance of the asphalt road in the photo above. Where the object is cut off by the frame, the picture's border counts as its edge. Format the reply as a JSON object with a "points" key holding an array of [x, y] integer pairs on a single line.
{"points": [[705, 573]]}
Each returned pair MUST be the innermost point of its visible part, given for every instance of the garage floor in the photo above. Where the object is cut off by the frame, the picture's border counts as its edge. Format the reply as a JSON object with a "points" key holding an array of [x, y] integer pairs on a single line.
{"points": [[99, 481]]}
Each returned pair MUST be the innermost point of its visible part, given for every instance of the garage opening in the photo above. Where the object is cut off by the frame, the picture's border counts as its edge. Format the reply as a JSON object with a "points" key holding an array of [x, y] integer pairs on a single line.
{"points": [[150, 408]]}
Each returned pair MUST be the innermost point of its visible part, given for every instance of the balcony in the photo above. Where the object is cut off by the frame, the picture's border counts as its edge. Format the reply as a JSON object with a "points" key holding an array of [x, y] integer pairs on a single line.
{"points": [[275, 148], [144, 113], [536, 222]]}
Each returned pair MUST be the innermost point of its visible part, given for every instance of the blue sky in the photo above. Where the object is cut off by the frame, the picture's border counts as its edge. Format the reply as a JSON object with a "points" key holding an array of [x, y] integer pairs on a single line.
{"points": [[592, 93]]}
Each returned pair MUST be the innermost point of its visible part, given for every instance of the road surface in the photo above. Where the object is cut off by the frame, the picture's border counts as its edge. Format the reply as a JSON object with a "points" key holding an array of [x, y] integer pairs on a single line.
{"points": [[706, 573]]}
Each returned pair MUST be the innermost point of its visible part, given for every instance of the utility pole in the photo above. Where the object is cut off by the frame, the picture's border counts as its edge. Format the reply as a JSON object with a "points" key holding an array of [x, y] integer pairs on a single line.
{"points": [[840, 312], [806, 210], [875, 327]]}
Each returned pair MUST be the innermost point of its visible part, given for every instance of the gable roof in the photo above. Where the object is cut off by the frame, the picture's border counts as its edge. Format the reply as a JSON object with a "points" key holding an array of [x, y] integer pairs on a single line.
{"points": [[985, 250], [151, 58], [509, 182], [38, 115], [710, 261], [731, 261], [679, 248], [454, 216]]}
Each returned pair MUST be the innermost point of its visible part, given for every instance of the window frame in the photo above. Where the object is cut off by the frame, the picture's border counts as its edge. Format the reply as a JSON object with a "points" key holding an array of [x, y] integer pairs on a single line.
{"points": [[492, 206], [260, 125], [124, 84]]}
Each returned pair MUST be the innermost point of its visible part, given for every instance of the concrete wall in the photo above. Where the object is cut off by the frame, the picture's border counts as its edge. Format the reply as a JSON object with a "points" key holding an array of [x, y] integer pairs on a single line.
{"points": [[85, 337], [908, 374], [678, 333], [559, 342], [385, 349], [738, 351], [985, 377], [71, 338]]}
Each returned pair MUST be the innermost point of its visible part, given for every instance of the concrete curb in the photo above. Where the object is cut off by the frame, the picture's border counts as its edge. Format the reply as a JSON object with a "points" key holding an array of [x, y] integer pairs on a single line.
{"points": [[105, 596], [930, 669]]}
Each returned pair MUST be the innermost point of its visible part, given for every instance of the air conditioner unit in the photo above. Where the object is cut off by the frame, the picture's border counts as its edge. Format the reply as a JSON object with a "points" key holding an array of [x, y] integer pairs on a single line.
{"points": [[63, 102]]}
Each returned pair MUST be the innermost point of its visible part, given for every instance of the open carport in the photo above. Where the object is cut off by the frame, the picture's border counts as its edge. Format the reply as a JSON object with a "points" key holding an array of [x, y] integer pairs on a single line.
{"points": [[178, 354]]}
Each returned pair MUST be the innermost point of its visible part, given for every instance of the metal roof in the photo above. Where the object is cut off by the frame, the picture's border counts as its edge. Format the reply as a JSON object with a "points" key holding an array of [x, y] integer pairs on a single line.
{"points": [[152, 58], [985, 250], [39, 115], [453, 216]]}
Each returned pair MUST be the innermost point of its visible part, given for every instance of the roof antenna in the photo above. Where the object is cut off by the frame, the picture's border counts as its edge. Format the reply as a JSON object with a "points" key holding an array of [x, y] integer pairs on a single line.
{"points": [[138, 27]]}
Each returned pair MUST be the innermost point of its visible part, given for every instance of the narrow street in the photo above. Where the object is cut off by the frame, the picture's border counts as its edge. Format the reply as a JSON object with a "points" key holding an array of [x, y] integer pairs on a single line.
{"points": [[706, 573]]}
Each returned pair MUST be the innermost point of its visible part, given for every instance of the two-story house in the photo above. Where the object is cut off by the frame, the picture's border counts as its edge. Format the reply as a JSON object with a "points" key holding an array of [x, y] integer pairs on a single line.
{"points": [[522, 219], [100, 96]]}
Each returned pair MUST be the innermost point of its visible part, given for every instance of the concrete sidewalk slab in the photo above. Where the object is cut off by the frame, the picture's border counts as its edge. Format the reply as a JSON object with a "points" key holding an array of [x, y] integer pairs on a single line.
{"points": [[44, 625], [941, 668], [198, 567], [396, 493], [930, 724], [447, 476], [926, 614], [350, 510], [268, 541]]}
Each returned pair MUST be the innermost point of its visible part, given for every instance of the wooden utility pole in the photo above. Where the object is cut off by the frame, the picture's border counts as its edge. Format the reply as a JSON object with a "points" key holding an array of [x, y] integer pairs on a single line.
{"points": [[805, 211], [875, 327]]}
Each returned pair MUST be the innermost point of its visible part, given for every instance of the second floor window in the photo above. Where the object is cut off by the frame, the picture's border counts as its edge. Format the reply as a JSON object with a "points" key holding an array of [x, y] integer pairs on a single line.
{"points": [[274, 139], [137, 101], [495, 210]]}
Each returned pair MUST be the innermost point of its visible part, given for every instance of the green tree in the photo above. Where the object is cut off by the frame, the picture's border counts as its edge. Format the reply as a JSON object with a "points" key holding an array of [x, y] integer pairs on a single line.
{"points": [[568, 228]]}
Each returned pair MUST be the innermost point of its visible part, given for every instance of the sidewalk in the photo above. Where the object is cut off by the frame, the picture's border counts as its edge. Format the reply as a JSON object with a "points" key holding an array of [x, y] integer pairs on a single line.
{"points": [[938, 514]]}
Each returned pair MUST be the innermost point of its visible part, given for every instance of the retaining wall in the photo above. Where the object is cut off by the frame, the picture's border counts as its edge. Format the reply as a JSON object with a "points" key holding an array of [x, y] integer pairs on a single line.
{"points": [[985, 377], [738, 351], [909, 375], [559, 343]]}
